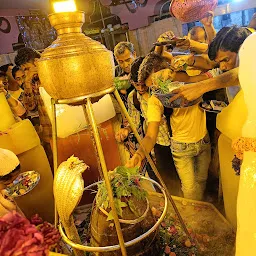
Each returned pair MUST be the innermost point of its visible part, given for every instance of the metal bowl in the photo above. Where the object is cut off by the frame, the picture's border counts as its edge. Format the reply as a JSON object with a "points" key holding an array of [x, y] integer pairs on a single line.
{"points": [[178, 103]]}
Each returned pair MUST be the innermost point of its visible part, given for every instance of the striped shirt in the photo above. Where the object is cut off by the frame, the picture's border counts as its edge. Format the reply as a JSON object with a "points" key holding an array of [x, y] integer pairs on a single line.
{"points": [[163, 137]]}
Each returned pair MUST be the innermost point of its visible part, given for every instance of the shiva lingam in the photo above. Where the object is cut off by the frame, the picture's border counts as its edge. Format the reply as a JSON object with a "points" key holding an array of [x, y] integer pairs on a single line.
{"points": [[73, 70], [246, 205]]}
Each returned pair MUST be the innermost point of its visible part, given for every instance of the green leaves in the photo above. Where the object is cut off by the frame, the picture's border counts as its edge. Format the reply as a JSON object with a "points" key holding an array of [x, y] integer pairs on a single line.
{"points": [[121, 84], [125, 182], [133, 208], [119, 205], [105, 204], [127, 172], [164, 85]]}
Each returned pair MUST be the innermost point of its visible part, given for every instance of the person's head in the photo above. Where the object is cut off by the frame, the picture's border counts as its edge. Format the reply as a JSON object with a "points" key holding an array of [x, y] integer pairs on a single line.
{"points": [[198, 34], [151, 64], [19, 75], [125, 54], [140, 87], [225, 46], [5, 67], [9, 167], [252, 23], [3, 80], [26, 58]]}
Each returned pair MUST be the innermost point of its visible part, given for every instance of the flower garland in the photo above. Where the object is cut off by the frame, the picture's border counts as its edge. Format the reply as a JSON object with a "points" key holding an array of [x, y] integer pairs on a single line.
{"points": [[240, 145], [19, 236]]}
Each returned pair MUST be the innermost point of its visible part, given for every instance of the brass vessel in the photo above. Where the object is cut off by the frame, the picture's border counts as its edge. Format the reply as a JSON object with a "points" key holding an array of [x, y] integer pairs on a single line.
{"points": [[74, 65]]}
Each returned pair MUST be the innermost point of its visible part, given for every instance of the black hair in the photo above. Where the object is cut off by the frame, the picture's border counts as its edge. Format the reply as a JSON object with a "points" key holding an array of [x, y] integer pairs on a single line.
{"points": [[2, 73], [5, 67], [14, 71], [9, 175], [122, 46], [135, 69], [25, 55], [228, 39], [152, 63]]}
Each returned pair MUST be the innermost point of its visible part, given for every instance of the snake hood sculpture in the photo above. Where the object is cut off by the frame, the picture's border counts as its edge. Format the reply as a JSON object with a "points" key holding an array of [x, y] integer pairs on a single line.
{"points": [[68, 186]]}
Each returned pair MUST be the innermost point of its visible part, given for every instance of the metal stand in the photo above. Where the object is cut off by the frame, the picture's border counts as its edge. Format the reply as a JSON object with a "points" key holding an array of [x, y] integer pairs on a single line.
{"points": [[85, 101]]}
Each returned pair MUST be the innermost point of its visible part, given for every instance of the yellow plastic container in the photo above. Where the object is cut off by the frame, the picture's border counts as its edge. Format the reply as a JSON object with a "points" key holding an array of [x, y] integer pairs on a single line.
{"points": [[20, 137], [230, 123], [229, 181], [7, 118]]}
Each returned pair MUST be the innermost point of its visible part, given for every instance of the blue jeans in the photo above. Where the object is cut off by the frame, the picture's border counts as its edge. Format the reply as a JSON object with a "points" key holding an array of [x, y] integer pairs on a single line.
{"points": [[192, 161]]}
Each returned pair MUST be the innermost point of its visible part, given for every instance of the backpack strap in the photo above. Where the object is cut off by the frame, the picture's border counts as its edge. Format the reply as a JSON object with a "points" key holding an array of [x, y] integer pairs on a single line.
{"points": [[168, 112], [136, 102]]}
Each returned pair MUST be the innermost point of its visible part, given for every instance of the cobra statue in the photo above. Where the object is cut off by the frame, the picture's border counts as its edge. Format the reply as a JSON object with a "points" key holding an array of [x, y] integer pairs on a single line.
{"points": [[68, 190]]}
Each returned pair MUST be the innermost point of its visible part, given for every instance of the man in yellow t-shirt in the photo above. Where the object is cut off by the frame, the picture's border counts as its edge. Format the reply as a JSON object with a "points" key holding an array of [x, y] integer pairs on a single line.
{"points": [[190, 143]]}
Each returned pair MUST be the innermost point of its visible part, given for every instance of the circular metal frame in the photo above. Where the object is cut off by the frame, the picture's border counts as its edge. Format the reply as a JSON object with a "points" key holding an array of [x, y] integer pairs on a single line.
{"points": [[135, 221], [82, 98], [127, 244]]}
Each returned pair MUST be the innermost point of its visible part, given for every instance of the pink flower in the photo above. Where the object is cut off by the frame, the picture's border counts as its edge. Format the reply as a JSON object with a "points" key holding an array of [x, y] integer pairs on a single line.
{"points": [[20, 238], [36, 220], [172, 230]]}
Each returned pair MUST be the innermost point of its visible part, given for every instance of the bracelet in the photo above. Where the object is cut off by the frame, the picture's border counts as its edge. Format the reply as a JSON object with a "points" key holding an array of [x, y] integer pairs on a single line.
{"points": [[193, 61], [8, 95]]}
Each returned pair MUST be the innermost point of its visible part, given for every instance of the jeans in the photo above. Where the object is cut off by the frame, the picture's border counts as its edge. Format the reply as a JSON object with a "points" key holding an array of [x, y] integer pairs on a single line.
{"points": [[166, 168], [192, 161]]}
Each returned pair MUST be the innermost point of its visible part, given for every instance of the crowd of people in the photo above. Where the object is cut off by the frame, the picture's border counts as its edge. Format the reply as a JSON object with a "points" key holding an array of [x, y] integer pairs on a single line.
{"points": [[180, 134], [177, 138]]}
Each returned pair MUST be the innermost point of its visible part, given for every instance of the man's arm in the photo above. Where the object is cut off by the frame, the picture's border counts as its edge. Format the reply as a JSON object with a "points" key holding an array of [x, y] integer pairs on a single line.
{"points": [[184, 77], [203, 62], [198, 47], [148, 144], [193, 91], [207, 21], [197, 61], [15, 105], [189, 44]]}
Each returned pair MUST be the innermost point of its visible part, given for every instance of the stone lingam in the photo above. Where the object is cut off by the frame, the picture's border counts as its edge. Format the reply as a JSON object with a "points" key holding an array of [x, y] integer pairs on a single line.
{"points": [[246, 203]]}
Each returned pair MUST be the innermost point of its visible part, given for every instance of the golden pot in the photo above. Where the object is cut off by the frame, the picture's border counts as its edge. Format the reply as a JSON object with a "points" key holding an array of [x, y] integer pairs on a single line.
{"points": [[74, 64]]}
